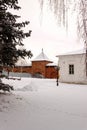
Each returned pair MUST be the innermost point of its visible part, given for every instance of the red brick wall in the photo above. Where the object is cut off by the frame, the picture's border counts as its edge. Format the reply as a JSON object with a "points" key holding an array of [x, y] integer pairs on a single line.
{"points": [[25, 69], [37, 67], [51, 72]]}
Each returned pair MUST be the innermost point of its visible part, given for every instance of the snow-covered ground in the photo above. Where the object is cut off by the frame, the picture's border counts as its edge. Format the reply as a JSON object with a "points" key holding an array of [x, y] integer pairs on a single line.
{"points": [[38, 104]]}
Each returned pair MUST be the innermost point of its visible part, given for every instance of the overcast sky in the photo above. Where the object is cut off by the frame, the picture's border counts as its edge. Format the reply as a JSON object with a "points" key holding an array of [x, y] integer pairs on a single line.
{"points": [[45, 32]]}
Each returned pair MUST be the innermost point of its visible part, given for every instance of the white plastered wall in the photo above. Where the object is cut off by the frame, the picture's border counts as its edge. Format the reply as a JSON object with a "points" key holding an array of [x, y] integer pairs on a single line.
{"points": [[78, 60]]}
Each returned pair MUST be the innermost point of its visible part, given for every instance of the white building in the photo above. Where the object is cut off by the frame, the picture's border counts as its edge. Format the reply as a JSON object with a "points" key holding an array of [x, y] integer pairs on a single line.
{"points": [[73, 67]]}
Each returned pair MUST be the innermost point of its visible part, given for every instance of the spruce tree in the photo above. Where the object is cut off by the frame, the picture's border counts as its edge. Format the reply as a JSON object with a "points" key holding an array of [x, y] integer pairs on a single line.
{"points": [[11, 36]]}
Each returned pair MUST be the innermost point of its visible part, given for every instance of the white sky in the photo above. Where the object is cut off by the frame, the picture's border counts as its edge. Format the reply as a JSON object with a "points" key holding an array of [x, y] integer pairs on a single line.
{"points": [[45, 32]]}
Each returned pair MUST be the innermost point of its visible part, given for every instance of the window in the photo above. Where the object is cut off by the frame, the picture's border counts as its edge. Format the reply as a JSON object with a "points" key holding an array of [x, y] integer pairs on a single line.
{"points": [[71, 69]]}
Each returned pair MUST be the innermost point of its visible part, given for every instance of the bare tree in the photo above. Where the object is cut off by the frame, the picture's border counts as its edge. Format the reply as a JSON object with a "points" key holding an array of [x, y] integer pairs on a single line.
{"points": [[82, 24], [61, 10]]}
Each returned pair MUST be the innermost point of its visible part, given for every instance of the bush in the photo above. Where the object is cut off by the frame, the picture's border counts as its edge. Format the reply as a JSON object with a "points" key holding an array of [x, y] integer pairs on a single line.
{"points": [[5, 87]]}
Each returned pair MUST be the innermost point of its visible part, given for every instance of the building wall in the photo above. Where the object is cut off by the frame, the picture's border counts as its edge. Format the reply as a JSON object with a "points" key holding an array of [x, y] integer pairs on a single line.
{"points": [[37, 67], [51, 72], [21, 69], [79, 75]]}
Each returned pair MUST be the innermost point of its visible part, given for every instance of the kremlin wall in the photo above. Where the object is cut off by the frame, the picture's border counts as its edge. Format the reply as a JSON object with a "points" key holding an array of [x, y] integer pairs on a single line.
{"points": [[41, 65]]}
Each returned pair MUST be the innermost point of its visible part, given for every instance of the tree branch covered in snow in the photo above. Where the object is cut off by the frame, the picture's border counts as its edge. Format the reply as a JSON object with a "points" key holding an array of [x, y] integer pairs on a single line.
{"points": [[11, 34]]}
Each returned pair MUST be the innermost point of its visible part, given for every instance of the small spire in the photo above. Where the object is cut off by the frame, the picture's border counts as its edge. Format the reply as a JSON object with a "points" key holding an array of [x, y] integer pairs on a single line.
{"points": [[42, 50]]}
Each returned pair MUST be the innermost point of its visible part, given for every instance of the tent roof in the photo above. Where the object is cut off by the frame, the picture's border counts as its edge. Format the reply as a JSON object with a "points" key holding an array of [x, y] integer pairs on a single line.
{"points": [[23, 62], [41, 57]]}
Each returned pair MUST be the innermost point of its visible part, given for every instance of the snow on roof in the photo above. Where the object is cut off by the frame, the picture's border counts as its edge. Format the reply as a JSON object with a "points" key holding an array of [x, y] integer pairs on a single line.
{"points": [[52, 64], [41, 57], [23, 62], [82, 51]]}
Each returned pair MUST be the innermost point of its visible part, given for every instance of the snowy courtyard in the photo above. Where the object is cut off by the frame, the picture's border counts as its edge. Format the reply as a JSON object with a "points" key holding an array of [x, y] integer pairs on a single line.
{"points": [[38, 104]]}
